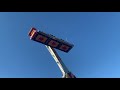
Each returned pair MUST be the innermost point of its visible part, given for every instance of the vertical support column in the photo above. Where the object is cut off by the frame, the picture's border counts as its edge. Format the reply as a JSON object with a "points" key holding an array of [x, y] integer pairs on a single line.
{"points": [[66, 73], [58, 60]]}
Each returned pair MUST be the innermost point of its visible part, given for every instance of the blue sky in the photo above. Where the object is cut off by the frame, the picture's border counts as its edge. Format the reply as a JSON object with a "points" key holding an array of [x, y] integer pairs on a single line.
{"points": [[95, 35]]}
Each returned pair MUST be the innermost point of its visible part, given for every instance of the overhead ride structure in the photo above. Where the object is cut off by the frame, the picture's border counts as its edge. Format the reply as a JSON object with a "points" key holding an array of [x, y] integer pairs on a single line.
{"points": [[52, 43]]}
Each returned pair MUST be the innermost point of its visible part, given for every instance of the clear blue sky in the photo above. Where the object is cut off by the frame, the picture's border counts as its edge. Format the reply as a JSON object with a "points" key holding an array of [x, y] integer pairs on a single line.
{"points": [[95, 35]]}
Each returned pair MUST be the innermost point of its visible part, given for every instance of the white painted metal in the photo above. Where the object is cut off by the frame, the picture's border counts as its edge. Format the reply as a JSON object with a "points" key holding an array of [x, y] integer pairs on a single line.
{"points": [[58, 60]]}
